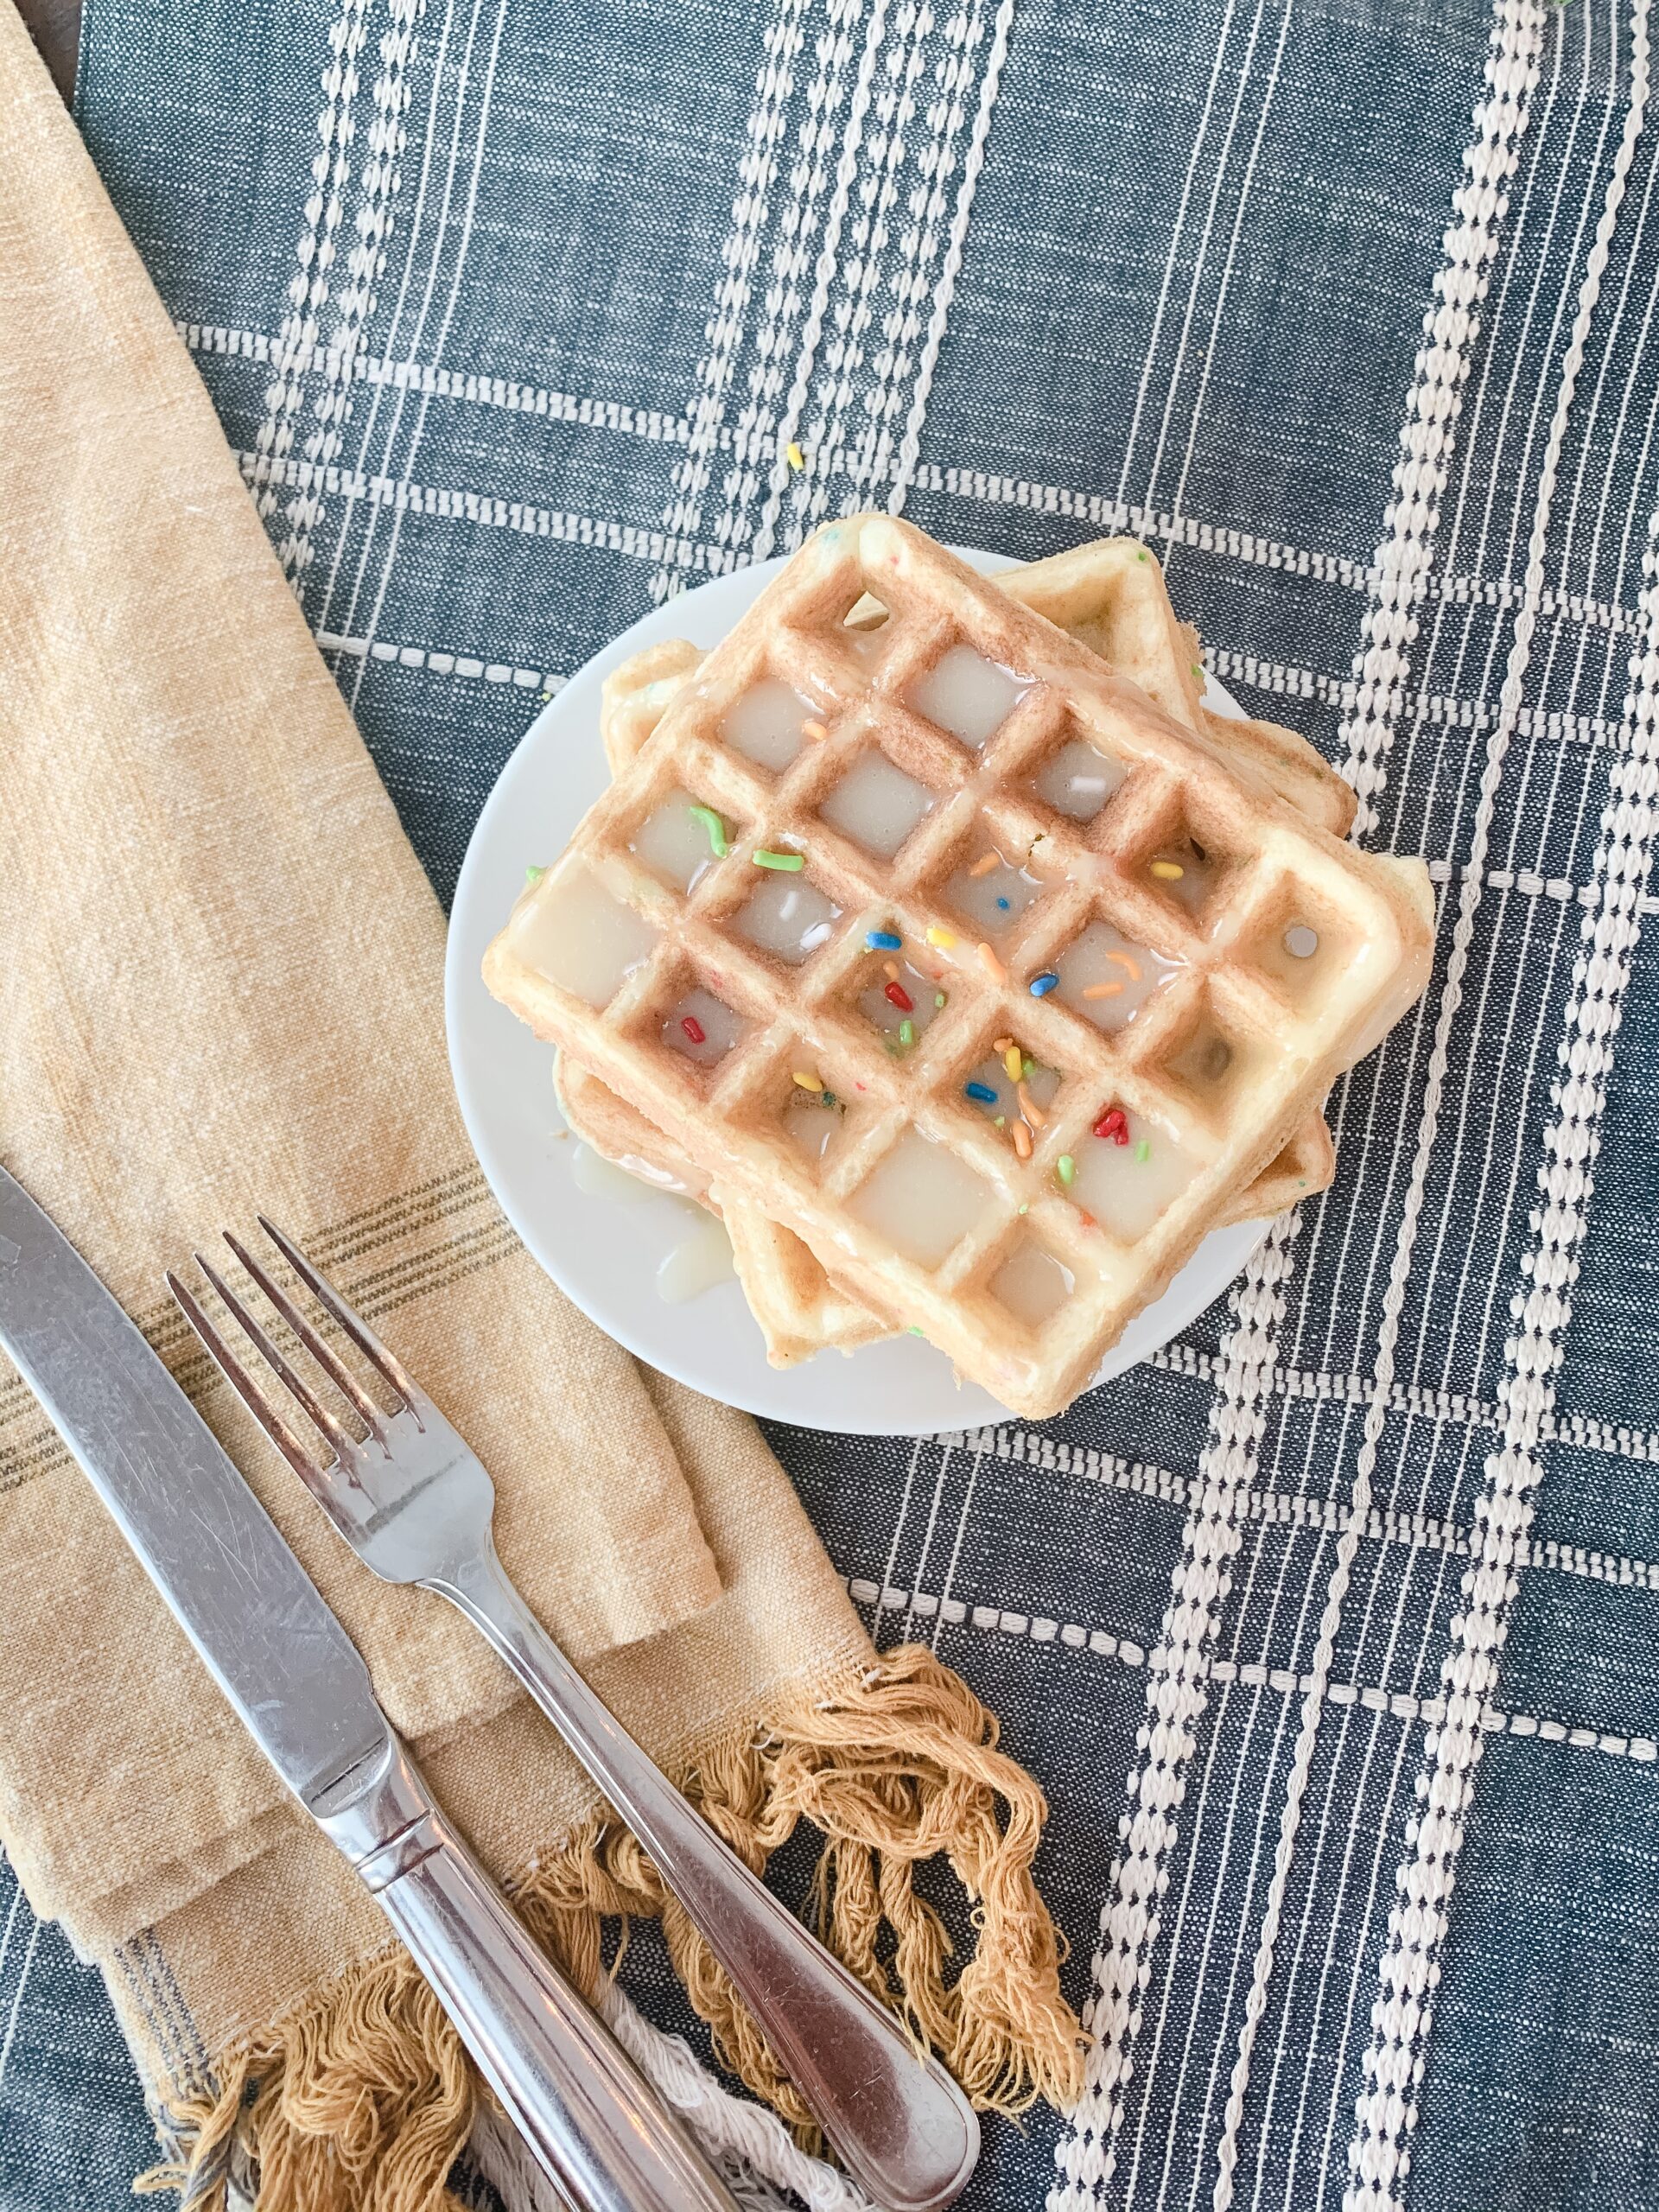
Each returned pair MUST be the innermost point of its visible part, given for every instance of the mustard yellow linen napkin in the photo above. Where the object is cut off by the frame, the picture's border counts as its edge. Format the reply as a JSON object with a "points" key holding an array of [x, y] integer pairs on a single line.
{"points": [[220, 990]]}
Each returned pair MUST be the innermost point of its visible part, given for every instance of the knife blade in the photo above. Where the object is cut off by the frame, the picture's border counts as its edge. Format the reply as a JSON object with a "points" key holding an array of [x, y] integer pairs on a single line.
{"points": [[252, 1612], [595, 2124]]}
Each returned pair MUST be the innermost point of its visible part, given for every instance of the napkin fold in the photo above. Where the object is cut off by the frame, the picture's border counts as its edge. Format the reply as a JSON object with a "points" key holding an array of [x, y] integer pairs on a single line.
{"points": [[220, 992]]}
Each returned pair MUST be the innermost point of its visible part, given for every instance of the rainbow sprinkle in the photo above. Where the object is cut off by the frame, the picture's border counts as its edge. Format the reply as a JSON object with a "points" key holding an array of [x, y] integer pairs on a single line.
{"points": [[534, 874], [796, 461], [1043, 984], [807, 1081], [791, 863], [982, 1092], [992, 965], [1143, 1149], [1012, 1061], [1065, 1168], [912, 1331], [1168, 871], [883, 940], [906, 1032], [943, 939], [716, 829], [939, 999], [984, 864]]}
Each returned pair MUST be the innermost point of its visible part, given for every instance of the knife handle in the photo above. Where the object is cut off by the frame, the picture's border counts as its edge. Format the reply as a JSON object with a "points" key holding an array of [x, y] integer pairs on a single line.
{"points": [[595, 2124]]}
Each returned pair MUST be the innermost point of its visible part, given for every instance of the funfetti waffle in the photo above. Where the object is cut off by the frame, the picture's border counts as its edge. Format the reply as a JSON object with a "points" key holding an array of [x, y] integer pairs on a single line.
{"points": [[1187, 968], [1111, 596]]}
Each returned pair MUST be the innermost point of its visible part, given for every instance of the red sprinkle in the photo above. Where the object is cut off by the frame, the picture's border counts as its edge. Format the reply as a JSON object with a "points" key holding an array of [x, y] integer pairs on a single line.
{"points": [[694, 1029], [1088, 1221], [901, 998], [1114, 1123]]}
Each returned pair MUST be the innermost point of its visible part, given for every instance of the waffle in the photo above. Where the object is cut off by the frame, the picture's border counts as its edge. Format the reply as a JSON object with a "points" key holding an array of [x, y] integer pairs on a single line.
{"points": [[1266, 957], [1111, 596]]}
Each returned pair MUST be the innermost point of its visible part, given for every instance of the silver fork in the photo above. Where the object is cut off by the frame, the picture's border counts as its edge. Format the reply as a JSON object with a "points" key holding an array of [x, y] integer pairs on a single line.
{"points": [[416, 1505]]}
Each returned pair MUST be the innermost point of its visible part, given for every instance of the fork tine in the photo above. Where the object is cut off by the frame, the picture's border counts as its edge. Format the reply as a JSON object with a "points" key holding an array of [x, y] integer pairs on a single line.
{"points": [[337, 1434], [385, 1362], [245, 1387], [318, 1345]]}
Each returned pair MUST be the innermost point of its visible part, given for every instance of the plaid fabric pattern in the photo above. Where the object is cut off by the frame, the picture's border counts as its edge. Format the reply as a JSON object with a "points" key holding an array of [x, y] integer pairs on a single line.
{"points": [[1334, 1632]]}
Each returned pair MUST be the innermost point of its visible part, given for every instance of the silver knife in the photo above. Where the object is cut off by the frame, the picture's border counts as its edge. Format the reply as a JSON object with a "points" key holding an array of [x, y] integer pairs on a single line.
{"points": [[303, 1693]]}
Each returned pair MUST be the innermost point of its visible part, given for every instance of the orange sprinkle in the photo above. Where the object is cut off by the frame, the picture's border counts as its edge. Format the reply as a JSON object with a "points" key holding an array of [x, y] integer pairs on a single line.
{"points": [[992, 965], [985, 864], [816, 731], [1029, 1106], [890, 969], [1088, 1221], [1102, 990], [1022, 1139], [1002, 1044], [1124, 960]]}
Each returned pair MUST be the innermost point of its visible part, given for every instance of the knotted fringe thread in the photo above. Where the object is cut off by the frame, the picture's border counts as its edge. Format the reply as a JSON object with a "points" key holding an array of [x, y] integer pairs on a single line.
{"points": [[362, 2099]]}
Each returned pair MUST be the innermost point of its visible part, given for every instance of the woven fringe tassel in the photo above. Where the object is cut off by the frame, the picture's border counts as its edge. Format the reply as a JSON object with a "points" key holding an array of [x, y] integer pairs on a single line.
{"points": [[362, 2100]]}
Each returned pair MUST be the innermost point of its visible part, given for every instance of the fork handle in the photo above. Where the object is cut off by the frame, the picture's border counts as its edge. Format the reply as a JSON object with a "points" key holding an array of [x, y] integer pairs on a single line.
{"points": [[901, 2125], [595, 2126]]}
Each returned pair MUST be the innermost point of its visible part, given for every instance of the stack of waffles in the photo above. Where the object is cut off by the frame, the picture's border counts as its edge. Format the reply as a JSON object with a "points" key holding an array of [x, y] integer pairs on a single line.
{"points": [[934, 934]]}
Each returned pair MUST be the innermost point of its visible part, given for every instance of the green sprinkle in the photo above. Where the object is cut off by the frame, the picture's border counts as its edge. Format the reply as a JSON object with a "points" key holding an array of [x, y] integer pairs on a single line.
{"points": [[790, 861], [1065, 1168], [939, 999], [716, 829], [534, 874], [1143, 1149], [828, 1098], [1025, 1209], [1027, 1067], [1001, 1121], [906, 1032], [1197, 671], [914, 1331], [1140, 557]]}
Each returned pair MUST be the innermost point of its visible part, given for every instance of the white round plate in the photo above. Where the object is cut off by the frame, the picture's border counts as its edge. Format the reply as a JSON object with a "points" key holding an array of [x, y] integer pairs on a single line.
{"points": [[604, 1251]]}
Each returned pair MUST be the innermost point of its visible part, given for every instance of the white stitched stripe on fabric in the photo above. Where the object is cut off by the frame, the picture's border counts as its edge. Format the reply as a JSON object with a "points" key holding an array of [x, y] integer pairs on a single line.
{"points": [[1296, 1508], [1039, 1627], [1386, 2112], [1093, 508]]}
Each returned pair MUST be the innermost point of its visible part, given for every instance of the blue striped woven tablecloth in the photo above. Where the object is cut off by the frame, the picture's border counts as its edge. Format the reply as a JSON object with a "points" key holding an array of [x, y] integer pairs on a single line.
{"points": [[1333, 1633]]}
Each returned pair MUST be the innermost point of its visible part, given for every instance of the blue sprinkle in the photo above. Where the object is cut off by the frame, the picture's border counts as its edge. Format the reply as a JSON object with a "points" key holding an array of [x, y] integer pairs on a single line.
{"points": [[883, 941], [1003, 904], [1042, 985], [982, 1092]]}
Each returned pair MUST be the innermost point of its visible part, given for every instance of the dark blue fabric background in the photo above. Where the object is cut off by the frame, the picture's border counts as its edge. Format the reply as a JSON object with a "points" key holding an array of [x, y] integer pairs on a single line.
{"points": [[1130, 267]]}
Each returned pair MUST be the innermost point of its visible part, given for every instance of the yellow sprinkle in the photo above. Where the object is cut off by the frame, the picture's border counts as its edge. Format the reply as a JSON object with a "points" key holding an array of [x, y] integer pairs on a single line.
{"points": [[985, 863], [1022, 1139], [1102, 990], [816, 731], [943, 939], [992, 965], [1033, 1112], [1011, 1060], [808, 1082], [1168, 871], [793, 454]]}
